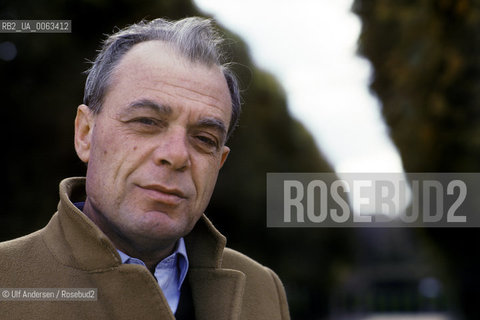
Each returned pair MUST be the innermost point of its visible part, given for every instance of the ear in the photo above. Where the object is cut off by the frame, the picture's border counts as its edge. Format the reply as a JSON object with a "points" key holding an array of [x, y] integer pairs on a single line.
{"points": [[84, 122], [225, 152]]}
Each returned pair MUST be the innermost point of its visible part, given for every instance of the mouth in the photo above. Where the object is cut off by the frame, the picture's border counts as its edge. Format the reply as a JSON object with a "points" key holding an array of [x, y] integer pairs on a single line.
{"points": [[164, 195]]}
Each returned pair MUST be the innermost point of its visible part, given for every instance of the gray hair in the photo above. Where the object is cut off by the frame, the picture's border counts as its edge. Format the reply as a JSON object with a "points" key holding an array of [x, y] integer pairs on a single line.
{"points": [[195, 38]]}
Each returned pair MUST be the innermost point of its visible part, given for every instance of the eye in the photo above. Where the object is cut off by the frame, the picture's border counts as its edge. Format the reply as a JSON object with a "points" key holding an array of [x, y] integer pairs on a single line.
{"points": [[146, 124], [147, 121], [207, 141]]}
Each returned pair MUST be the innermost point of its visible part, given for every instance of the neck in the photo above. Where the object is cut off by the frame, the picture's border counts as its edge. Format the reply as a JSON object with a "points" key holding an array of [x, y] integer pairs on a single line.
{"points": [[150, 252]]}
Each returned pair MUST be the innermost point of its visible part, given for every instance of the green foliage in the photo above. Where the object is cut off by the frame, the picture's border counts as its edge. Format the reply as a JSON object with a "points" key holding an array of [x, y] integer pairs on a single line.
{"points": [[426, 63], [425, 57]]}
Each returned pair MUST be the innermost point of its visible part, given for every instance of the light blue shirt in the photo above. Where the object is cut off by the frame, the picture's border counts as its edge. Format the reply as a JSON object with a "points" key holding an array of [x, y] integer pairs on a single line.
{"points": [[170, 272]]}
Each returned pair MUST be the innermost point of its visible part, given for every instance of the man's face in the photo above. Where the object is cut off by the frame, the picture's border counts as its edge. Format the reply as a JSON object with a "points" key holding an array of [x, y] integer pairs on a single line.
{"points": [[155, 149]]}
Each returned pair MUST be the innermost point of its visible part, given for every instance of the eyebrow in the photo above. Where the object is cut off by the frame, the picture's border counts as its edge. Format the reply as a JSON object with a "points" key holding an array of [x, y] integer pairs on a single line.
{"points": [[214, 124], [149, 104]]}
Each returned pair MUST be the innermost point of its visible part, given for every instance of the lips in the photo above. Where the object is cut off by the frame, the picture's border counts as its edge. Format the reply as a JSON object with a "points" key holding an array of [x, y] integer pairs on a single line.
{"points": [[167, 196]]}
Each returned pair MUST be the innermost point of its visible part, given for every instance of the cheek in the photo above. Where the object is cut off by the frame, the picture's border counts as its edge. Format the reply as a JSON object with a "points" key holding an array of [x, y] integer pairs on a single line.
{"points": [[112, 148], [101, 159], [106, 160], [205, 179]]}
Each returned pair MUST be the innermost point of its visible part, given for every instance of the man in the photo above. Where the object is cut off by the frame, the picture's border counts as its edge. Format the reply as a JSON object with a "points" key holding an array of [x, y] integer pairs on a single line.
{"points": [[158, 109]]}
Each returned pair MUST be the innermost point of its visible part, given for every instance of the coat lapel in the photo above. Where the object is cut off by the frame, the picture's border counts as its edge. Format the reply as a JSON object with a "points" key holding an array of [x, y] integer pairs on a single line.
{"points": [[217, 293]]}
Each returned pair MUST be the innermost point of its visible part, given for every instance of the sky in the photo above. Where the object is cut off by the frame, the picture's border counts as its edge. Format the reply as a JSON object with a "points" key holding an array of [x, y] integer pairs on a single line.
{"points": [[310, 46]]}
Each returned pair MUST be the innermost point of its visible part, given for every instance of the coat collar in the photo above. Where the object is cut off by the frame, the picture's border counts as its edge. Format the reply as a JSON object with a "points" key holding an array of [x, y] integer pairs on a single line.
{"points": [[77, 242], [73, 238], [87, 247]]}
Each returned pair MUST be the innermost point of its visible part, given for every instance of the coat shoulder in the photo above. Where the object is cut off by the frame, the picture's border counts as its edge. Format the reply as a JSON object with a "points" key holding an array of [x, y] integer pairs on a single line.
{"points": [[19, 246], [233, 259], [21, 256]]}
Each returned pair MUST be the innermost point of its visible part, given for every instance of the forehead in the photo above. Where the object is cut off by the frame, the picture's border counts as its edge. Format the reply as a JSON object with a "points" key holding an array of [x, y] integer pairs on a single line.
{"points": [[153, 69]]}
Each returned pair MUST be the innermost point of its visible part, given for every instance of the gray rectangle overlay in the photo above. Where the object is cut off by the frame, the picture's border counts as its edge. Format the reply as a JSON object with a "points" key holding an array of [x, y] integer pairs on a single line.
{"points": [[48, 294], [35, 26], [373, 200]]}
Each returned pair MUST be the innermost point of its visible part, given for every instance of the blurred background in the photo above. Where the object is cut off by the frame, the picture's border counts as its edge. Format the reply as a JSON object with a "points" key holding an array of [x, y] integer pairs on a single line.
{"points": [[363, 85]]}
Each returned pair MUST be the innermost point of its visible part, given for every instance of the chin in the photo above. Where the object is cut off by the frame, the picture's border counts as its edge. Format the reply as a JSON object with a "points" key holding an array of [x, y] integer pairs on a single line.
{"points": [[164, 226]]}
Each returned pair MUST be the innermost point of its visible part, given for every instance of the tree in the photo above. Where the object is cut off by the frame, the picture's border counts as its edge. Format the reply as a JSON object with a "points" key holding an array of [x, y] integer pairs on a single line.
{"points": [[427, 76]]}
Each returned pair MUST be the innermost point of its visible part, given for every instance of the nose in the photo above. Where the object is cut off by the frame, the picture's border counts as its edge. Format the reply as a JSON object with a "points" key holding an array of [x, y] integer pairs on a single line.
{"points": [[172, 150]]}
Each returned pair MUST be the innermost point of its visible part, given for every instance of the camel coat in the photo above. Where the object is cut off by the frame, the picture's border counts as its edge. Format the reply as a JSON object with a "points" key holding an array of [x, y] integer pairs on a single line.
{"points": [[72, 252]]}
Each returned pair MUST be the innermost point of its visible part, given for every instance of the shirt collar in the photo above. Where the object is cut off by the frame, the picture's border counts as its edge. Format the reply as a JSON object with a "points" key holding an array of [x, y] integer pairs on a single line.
{"points": [[179, 255], [182, 261]]}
